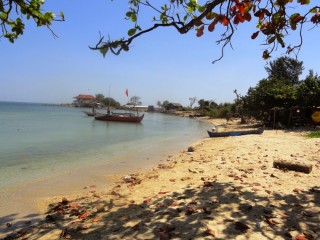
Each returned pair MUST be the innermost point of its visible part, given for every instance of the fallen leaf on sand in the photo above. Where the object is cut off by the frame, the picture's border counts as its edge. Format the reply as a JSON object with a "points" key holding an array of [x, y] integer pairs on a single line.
{"points": [[164, 236], [271, 222], [84, 227], [297, 190], [136, 227], [95, 219], [301, 238], [190, 210], [147, 200], [207, 184], [73, 206], [206, 210], [211, 232], [83, 216]]}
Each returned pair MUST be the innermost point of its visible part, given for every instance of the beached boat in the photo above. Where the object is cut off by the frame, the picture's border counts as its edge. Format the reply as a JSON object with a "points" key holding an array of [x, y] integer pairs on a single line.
{"points": [[119, 117], [235, 133]]}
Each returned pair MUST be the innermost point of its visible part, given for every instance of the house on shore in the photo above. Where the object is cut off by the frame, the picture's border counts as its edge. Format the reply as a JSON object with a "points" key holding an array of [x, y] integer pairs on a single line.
{"points": [[84, 100]]}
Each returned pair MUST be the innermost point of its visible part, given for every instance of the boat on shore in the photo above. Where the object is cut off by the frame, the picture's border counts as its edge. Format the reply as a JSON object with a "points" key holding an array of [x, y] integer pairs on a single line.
{"points": [[235, 133], [119, 117]]}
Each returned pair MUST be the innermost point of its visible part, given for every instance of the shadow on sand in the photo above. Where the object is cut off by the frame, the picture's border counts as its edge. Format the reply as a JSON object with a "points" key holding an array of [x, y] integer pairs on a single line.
{"points": [[211, 210]]}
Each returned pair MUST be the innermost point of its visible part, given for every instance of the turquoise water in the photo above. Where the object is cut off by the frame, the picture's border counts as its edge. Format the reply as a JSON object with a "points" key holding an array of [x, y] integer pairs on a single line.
{"points": [[37, 141]]}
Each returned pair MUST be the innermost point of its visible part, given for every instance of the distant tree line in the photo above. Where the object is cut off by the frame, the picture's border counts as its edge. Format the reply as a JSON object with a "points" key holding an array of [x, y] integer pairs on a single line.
{"points": [[107, 101]]}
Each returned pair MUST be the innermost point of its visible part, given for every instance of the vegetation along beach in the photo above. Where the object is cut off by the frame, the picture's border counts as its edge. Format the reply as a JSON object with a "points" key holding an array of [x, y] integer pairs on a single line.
{"points": [[180, 119]]}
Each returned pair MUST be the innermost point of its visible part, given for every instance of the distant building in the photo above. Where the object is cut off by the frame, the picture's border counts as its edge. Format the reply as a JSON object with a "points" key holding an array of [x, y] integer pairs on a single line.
{"points": [[84, 100], [150, 108]]}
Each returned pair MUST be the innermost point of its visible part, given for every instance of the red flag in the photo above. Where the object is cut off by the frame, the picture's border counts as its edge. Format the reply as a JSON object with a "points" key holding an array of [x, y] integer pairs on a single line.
{"points": [[127, 92]]}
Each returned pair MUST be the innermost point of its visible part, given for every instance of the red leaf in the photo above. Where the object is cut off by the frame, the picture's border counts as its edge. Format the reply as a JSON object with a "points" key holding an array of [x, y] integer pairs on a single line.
{"points": [[212, 26], [241, 9], [211, 232], [236, 20], [241, 19], [200, 31], [83, 216], [247, 17], [162, 192], [298, 237], [271, 221], [83, 227], [225, 21], [147, 200]]}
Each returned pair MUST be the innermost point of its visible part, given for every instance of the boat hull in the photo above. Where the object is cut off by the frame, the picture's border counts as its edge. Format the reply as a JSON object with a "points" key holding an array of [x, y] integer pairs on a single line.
{"points": [[235, 133], [118, 118]]}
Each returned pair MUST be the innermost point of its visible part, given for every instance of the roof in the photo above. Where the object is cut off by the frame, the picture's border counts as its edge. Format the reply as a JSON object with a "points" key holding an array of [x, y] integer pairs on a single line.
{"points": [[84, 96]]}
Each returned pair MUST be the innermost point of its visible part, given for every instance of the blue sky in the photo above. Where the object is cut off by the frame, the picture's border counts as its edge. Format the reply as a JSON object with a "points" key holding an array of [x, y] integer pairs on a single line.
{"points": [[162, 65]]}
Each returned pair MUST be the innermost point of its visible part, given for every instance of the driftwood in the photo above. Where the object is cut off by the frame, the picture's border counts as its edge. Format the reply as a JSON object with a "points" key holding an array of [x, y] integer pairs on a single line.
{"points": [[298, 167]]}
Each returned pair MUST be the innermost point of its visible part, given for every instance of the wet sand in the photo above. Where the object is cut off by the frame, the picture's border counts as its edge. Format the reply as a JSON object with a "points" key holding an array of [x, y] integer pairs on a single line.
{"points": [[227, 188]]}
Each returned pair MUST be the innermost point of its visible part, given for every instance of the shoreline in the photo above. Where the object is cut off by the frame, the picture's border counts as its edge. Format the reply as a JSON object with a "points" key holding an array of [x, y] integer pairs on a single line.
{"points": [[23, 202], [225, 189]]}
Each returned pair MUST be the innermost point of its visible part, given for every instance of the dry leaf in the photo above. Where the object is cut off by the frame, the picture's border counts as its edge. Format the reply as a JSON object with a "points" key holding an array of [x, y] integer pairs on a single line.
{"points": [[211, 232]]}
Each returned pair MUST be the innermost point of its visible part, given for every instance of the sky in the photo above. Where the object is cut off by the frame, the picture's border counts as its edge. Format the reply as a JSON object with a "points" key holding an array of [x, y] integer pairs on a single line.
{"points": [[161, 65]]}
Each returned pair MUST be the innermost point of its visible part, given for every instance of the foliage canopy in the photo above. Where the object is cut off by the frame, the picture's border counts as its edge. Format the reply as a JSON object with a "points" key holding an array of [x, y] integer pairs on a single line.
{"points": [[275, 20], [283, 89], [12, 13]]}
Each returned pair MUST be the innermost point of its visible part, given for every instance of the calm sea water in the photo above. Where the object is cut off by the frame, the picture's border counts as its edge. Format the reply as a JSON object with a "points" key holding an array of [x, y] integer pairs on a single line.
{"points": [[37, 141]]}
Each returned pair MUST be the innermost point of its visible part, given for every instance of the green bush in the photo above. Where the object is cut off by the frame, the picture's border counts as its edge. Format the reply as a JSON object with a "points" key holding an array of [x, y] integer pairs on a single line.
{"points": [[314, 135]]}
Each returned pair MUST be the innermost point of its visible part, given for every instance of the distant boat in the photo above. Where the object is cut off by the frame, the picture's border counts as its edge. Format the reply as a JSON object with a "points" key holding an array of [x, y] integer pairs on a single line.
{"points": [[88, 113], [119, 117], [235, 133]]}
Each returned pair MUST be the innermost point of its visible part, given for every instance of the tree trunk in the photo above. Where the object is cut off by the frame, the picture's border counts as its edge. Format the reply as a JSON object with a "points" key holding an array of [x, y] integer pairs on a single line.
{"points": [[298, 167]]}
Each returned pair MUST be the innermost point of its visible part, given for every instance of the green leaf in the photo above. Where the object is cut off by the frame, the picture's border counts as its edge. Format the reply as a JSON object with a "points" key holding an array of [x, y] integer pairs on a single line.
{"points": [[133, 18], [313, 10], [62, 15], [201, 8], [129, 14], [303, 2], [132, 31], [125, 47], [271, 40], [185, 18], [104, 51], [211, 15], [3, 16], [191, 9]]}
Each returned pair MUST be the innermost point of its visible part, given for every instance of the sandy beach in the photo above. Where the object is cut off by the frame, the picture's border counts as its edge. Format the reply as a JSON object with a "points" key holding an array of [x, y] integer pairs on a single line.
{"points": [[227, 188]]}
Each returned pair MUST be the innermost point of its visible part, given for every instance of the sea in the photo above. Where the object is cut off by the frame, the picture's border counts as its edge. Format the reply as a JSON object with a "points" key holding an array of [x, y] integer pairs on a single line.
{"points": [[41, 143]]}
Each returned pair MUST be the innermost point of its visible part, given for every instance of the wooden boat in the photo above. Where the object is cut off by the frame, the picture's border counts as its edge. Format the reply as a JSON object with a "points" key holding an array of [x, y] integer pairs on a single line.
{"points": [[119, 117], [88, 113], [235, 133]]}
